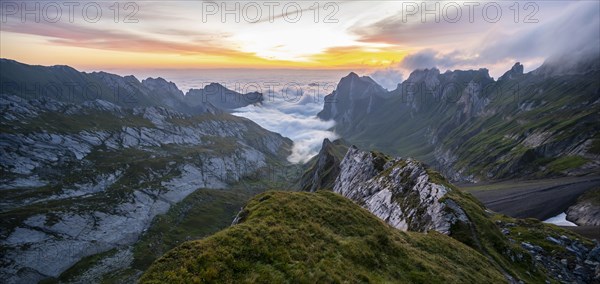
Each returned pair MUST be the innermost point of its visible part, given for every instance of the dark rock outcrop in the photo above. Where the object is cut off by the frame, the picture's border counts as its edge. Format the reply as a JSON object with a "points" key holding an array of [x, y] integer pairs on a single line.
{"points": [[513, 73], [221, 97], [324, 168]]}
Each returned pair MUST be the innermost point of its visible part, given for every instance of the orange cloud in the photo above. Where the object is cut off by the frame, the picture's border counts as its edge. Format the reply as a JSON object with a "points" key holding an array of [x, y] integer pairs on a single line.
{"points": [[90, 47]]}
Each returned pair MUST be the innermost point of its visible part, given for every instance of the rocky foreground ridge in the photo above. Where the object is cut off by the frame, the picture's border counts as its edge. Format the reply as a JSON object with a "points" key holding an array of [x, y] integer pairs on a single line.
{"points": [[409, 196], [384, 220], [319, 237]]}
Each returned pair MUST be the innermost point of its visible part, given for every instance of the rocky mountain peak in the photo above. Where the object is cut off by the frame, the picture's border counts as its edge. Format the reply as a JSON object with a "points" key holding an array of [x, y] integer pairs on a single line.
{"points": [[163, 85], [114, 80], [215, 86], [513, 73], [351, 96], [63, 68], [221, 97], [131, 78], [364, 82], [420, 74], [326, 142], [518, 67]]}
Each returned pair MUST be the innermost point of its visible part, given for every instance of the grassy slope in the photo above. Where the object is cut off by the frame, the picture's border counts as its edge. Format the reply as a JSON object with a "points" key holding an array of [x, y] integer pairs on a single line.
{"points": [[319, 237]]}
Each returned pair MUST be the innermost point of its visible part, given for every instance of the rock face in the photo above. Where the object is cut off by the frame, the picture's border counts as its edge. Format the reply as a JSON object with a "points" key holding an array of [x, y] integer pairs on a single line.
{"points": [[81, 179], [398, 191], [586, 212], [471, 127]]}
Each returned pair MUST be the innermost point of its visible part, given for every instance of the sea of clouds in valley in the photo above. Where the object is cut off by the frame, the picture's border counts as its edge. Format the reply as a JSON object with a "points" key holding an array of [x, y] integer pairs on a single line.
{"points": [[292, 99]]}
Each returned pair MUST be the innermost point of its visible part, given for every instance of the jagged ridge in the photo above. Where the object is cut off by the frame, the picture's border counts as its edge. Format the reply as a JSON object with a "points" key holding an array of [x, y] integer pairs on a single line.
{"points": [[65, 84], [472, 127]]}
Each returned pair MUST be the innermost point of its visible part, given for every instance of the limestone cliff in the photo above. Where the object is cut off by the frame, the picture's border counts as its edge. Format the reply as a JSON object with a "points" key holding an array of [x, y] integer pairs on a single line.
{"points": [[398, 191], [82, 179]]}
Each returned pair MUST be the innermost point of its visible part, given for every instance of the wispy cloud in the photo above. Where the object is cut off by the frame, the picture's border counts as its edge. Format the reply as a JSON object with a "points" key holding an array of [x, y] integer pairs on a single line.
{"points": [[91, 37], [302, 126], [368, 35], [388, 78], [572, 31]]}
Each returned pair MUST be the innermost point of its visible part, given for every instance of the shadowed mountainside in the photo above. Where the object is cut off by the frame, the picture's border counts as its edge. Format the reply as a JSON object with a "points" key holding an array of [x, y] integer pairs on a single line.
{"points": [[472, 127]]}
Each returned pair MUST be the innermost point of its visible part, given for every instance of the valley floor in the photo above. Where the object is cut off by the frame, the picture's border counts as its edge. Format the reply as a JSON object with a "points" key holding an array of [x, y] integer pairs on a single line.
{"points": [[540, 199]]}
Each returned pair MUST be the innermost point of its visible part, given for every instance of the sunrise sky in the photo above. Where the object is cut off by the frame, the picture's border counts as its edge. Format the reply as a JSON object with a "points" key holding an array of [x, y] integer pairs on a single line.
{"points": [[386, 35]]}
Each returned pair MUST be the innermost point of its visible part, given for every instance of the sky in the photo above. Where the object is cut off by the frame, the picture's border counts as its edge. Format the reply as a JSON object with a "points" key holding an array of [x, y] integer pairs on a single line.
{"points": [[387, 39], [307, 43]]}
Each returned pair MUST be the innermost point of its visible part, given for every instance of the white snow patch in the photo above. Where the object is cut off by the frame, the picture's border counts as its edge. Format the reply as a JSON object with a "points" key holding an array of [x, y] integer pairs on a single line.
{"points": [[560, 220]]}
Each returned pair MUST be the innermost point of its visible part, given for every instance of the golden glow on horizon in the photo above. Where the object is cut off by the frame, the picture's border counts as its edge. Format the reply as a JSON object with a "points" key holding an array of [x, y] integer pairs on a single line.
{"points": [[185, 41], [364, 35], [25, 48]]}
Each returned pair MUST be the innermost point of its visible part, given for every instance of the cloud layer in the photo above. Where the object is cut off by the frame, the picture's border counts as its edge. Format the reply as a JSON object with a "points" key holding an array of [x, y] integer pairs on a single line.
{"points": [[295, 121], [563, 29], [289, 108], [388, 78]]}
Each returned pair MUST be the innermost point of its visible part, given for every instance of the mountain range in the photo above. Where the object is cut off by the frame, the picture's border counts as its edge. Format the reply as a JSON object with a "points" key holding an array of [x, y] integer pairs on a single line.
{"points": [[474, 128], [86, 175], [65, 84]]}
